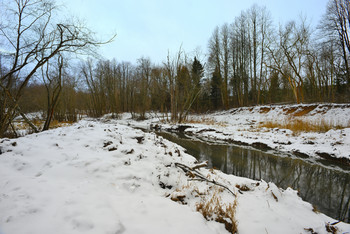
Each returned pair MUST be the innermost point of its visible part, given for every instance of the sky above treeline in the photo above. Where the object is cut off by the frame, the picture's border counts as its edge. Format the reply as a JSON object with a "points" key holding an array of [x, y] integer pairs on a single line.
{"points": [[151, 28]]}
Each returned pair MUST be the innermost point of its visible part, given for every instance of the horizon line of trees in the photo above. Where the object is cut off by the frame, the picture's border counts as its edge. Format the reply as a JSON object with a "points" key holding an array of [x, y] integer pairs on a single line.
{"points": [[249, 62]]}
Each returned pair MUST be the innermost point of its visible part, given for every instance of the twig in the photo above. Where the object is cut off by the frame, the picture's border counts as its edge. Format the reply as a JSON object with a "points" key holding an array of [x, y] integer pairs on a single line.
{"points": [[193, 171], [13, 129]]}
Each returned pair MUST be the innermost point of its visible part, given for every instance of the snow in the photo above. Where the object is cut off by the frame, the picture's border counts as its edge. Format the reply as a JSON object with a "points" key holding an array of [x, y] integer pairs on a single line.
{"points": [[32, 116], [242, 125], [6, 52], [105, 177], [65, 181]]}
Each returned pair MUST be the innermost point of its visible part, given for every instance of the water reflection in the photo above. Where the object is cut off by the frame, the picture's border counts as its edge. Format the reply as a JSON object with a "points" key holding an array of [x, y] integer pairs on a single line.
{"points": [[327, 188]]}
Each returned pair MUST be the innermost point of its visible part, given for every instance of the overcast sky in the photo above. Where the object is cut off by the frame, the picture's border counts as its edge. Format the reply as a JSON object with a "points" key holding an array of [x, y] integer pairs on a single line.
{"points": [[150, 28]]}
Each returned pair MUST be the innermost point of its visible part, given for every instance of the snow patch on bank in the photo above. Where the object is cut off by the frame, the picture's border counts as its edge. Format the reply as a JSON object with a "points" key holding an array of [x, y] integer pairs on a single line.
{"points": [[95, 177], [242, 125]]}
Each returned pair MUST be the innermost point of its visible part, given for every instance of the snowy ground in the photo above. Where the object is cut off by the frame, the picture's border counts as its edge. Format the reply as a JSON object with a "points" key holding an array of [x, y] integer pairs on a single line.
{"points": [[95, 177], [241, 125]]}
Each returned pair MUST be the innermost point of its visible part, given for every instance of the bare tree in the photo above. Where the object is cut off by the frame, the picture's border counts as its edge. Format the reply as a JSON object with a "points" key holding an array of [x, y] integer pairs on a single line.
{"points": [[214, 50], [144, 72], [225, 45], [240, 49], [265, 31], [254, 18], [292, 51], [336, 25], [95, 80], [172, 66], [53, 84], [33, 36]]}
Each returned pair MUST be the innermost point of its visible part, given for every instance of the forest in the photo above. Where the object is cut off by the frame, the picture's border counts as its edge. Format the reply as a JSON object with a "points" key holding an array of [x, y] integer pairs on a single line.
{"points": [[48, 65]]}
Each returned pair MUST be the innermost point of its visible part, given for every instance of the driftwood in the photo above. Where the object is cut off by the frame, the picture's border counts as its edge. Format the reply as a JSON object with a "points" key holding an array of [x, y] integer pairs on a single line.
{"points": [[196, 175]]}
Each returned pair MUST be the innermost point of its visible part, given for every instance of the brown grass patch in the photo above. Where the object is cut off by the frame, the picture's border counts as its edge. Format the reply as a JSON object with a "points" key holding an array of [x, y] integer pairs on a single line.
{"points": [[57, 124], [22, 125], [299, 125], [213, 209], [205, 120]]}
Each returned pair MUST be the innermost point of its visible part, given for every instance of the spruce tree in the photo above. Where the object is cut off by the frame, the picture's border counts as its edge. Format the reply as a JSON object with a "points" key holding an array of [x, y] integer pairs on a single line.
{"points": [[197, 74], [215, 93]]}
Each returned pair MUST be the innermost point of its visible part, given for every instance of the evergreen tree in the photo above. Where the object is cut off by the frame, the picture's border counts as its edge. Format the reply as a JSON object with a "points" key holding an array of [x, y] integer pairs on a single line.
{"points": [[197, 73], [215, 94]]}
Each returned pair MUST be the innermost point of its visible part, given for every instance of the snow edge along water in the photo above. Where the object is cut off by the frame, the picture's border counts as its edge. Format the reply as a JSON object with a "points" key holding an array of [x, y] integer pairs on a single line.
{"points": [[92, 160], [243, 126]]}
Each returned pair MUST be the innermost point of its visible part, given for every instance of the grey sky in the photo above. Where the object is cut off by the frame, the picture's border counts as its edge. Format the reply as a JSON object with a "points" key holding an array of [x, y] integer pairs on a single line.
{"points": [[152, 27]]}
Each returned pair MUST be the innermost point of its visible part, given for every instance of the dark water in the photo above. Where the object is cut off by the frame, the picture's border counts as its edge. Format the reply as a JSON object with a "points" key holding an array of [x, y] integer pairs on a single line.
{"points": [[323, 184]]}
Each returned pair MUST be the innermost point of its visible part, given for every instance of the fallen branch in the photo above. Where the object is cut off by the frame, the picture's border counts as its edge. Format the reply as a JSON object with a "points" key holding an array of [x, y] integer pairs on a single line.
{"points": [[203, 164], [27, 120], [194, 173]]}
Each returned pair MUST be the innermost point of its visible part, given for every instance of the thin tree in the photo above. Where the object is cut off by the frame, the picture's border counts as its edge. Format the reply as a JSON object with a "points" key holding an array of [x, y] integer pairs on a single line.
{"points": [[33, 36], [53, 84], [336, 25], [225, 44]]}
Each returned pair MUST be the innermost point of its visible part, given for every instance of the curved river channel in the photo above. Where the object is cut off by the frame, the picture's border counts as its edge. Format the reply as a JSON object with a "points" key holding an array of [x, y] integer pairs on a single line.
{"points": [[323, 184]]}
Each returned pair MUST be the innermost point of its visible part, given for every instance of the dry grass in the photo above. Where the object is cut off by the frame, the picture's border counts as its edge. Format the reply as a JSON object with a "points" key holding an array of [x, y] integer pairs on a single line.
{"points": [[22, 125], [57, 124], [299, 125], [213, 209], [210, 206], [315, 209], [204, 120]]}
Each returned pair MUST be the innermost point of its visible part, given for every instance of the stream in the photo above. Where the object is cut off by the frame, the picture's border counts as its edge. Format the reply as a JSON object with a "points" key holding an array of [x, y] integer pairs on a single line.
{"points": [[319, 182]]}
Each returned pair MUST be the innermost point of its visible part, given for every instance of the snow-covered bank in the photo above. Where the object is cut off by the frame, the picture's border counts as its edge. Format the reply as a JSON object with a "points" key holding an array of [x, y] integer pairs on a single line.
{"points": [[96, 177], [245, 126]]}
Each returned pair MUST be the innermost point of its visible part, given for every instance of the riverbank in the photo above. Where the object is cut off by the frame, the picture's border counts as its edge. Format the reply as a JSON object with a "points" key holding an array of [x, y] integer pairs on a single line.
{"points": [[104, 177], [307, 130]]}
